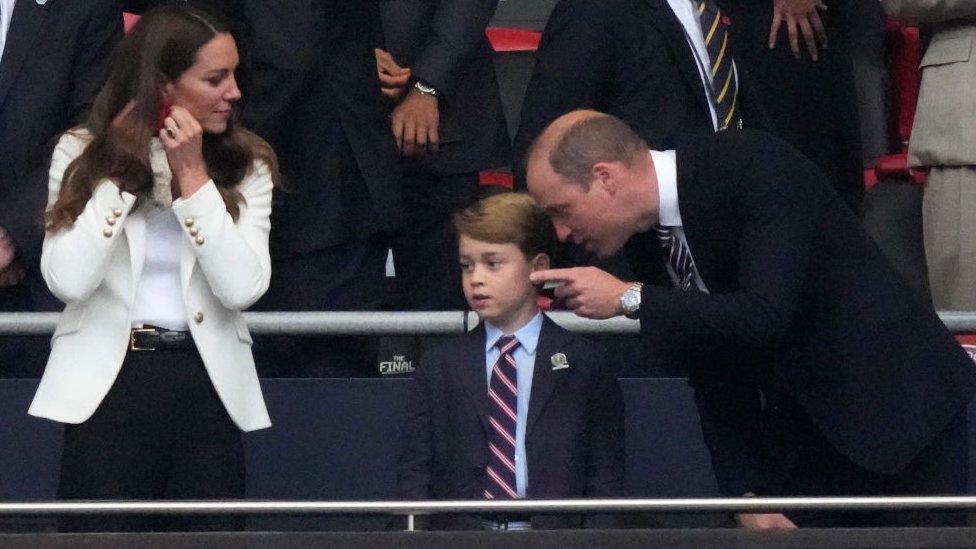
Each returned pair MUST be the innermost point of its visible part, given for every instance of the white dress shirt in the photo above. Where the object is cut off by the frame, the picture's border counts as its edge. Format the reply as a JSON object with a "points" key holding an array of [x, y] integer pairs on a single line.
{"points": [[524, 355], [666, 167], [688, 16], [6, 13]]}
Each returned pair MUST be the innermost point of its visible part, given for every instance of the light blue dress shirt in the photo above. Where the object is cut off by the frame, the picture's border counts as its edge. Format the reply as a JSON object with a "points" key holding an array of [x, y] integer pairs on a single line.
{"points": [[528, 337]]}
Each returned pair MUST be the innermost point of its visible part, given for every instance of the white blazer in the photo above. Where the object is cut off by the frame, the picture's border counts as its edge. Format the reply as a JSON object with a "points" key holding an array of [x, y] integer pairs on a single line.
{"points": [[94, 267]]}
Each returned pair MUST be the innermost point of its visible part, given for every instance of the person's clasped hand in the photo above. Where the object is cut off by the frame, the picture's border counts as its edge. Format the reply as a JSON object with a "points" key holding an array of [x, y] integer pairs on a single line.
{"points": [[801, 17], [182, 137], [393, 78]]}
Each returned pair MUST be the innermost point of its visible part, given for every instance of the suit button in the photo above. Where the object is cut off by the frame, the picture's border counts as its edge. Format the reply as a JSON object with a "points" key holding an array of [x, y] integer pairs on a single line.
{"points": [[107, 233], [194, 231], [199, 240], [117, 212], [189, 221], [198, 318]]}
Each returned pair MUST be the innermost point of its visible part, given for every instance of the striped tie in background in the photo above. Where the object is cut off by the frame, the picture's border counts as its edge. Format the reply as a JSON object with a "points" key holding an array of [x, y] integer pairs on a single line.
{"points": [[725, 89]]}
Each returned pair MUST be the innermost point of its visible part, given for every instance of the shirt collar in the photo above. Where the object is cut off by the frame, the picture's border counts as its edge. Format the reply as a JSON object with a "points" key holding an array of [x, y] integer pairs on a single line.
{"points": [[666, 168], [528, 335]]}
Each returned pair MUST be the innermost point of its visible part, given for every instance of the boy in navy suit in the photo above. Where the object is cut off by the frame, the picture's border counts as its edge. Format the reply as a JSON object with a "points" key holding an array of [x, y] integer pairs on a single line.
{"points": [[518, 407]]}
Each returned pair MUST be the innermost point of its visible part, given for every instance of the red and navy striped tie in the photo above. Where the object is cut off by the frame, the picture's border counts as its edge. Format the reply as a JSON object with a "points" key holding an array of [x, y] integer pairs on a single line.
{"points": [[503, 418]]}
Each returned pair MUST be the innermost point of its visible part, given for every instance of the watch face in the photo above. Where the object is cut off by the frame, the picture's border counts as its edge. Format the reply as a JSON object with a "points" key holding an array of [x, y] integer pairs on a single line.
{"points": [[630, 300]]}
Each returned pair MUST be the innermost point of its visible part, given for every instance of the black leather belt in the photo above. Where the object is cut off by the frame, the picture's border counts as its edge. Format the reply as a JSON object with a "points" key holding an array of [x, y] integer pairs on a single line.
{"points": [[158, 339]]}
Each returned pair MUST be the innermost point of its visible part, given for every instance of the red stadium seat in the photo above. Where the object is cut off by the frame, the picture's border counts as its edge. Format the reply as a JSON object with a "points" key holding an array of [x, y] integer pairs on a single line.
{"points": [[904, 57], [508, 39]]}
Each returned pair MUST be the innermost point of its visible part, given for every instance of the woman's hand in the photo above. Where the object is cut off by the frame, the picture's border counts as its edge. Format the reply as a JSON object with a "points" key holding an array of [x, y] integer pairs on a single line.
{"points": [[182, 138]]}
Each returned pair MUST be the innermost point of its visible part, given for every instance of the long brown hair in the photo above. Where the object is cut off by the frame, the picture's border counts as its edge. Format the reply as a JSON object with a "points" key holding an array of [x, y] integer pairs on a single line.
{"points": [[160, 48]]}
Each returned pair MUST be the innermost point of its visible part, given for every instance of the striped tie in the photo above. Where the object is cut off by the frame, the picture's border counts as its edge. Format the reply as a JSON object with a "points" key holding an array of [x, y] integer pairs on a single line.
{"points": [[503, 414], [725, 89], [678, 256]]}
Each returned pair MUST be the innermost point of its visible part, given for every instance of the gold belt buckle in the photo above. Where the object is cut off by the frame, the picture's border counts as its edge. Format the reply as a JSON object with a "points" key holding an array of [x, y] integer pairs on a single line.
{"points": [[132, 339]]}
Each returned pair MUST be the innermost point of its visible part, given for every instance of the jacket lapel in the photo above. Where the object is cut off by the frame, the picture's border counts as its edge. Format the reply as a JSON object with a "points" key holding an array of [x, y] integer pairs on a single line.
{"points": [[24, 30], [669, 25], [544, 378], [471, 372]]}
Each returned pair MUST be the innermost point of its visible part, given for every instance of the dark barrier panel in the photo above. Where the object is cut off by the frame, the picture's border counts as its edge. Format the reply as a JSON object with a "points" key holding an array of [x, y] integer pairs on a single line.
{"points": [[337, 439]]}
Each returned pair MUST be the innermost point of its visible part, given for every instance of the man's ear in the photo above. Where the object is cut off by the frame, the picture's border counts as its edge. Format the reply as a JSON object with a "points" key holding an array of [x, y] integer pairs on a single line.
{"points": [[540, 262], [605, 175]]}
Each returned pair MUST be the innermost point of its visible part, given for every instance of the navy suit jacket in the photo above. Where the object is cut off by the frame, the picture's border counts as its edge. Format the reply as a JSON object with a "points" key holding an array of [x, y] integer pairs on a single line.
{"points": [[55, 60], [574, 436], [443, 43], [628, 58], [802, 306]]}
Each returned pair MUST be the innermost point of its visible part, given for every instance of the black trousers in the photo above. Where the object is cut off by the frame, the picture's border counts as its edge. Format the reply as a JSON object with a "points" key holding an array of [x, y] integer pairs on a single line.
{"points": [[428, 274], [160, 433], [809, 465]]}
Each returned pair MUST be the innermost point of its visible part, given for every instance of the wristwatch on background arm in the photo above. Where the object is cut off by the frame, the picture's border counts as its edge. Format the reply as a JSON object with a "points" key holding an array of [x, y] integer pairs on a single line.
{"points": [[424, 88], [630, 300]]}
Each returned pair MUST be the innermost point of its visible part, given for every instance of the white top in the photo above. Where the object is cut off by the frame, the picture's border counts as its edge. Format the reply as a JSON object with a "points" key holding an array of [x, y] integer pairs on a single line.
{"points": [[6, 13], [687, 14], [159, 297], [159, 294], [666, 167]]}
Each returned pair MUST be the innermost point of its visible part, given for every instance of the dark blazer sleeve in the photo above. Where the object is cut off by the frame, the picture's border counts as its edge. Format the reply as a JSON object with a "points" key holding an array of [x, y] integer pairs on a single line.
{"points": [[573, 68], [102, 31], [455, 35]]}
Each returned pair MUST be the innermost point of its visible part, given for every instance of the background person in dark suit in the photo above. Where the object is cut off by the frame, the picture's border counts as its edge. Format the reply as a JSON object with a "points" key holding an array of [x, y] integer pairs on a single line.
{"points": [[634, 59], [448, 121], [518, 407], [53, 59], [315, 96], [816, 370], [797, 53]]}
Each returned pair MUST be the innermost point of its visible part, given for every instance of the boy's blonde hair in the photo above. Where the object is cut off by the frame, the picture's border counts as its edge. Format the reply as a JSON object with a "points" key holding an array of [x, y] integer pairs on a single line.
{"points": [[509, 218]]}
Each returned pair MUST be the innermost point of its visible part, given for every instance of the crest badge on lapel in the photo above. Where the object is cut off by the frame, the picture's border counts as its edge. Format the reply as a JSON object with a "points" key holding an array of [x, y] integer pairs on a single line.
{"points": [[559, 362]]}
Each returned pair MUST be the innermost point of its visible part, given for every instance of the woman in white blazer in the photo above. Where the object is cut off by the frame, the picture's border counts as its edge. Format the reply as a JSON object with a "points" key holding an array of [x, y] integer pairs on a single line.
{"points": [[157, 237]]}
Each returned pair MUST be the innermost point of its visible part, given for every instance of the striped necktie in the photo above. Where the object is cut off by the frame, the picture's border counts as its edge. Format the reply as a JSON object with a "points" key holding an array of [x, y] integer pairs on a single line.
{"points": [[678, 256], [503, 418], [725, 89]]}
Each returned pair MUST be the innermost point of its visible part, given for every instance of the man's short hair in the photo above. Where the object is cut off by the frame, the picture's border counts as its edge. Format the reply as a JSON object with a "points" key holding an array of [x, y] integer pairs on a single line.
{"points": [[601, 138], [509, 218]]}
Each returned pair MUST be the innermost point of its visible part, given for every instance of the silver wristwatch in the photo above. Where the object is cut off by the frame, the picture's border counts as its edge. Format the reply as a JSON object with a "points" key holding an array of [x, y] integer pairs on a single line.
{"points": [[424, 88], [630, 300]]}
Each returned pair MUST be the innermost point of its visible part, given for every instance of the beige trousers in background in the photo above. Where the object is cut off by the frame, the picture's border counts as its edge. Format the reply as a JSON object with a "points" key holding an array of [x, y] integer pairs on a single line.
{"points": [[949, 224]]}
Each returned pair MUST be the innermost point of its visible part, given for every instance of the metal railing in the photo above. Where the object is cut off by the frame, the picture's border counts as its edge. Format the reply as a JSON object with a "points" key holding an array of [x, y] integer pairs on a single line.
{"points": [[412, 509], [376, 323]]}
